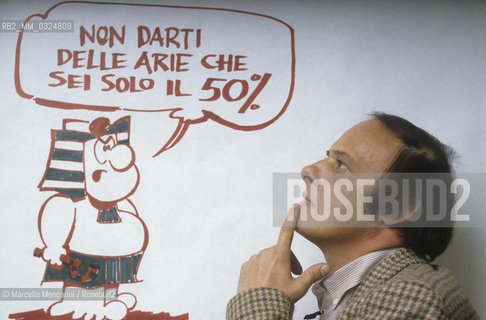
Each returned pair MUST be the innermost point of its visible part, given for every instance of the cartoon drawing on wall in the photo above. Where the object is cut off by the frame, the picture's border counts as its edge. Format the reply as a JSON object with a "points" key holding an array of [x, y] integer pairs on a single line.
{"points": [[93, 237], [173, 61]]}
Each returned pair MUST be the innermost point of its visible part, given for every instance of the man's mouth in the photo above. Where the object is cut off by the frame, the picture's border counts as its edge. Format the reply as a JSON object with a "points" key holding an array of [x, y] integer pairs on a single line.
{"points": [[97, 175]]}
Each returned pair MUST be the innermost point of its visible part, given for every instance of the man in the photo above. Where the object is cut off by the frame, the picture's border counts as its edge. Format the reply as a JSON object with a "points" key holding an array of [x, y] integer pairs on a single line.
{"points": [[380, 271]]}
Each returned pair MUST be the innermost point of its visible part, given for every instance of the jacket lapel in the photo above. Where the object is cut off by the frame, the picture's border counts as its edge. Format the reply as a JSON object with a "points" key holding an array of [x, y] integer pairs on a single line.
{"points": [[387, 269]]}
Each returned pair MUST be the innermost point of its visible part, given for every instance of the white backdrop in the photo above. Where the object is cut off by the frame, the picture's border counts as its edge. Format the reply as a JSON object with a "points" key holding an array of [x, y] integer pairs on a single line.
{"points": [[208, 201]]}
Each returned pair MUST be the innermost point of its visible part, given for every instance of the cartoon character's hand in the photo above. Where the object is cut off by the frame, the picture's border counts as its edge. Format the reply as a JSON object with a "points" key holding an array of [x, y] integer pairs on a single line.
{"points": [[53, 255]]}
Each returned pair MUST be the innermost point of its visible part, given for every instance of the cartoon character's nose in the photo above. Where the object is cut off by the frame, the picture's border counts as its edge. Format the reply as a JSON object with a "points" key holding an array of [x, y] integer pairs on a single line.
{"points": [[122, 157]]}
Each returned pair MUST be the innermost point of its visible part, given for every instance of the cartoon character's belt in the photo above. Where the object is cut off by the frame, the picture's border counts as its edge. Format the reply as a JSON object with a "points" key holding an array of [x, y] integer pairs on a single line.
{"points": [[93, 271]]}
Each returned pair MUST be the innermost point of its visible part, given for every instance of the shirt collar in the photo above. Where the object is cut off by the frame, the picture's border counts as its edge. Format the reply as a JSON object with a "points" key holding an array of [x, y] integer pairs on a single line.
{"points": [[349, 276]]}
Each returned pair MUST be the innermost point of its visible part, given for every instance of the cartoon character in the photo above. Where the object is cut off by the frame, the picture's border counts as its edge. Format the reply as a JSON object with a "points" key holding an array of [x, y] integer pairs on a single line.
{"points": [[93, 236]]}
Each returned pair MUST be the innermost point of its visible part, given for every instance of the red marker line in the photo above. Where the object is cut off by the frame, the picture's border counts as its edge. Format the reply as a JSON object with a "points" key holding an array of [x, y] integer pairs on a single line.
{"points": [[255, 92]]}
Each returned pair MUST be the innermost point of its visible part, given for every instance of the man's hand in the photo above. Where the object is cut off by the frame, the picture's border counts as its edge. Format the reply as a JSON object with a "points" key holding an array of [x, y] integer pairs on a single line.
{"points": [[272, 267]]}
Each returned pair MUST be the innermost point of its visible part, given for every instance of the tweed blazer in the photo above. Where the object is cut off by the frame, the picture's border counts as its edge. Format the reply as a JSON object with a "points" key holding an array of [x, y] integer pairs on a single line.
{"points": [[402, 286]]}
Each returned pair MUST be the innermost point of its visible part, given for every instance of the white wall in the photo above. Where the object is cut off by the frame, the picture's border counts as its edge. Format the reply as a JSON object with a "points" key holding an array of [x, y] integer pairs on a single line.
{"points": [[208, 201]]}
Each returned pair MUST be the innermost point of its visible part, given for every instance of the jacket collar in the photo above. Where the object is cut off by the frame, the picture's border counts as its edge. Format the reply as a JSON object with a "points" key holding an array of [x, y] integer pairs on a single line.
{"points": [[384, 271], [334, 286]]}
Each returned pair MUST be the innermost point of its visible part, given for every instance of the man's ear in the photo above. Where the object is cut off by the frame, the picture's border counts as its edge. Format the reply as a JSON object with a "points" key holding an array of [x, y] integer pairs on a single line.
{"points": [[408, 214]]}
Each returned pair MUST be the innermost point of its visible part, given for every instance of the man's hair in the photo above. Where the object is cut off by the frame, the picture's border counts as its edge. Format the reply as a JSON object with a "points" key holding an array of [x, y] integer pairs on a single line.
{"points": [[421, 153]]}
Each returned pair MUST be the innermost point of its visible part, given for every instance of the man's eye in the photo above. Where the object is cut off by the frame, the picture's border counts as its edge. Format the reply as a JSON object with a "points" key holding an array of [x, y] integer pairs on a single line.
{"points": [[341, 165]]}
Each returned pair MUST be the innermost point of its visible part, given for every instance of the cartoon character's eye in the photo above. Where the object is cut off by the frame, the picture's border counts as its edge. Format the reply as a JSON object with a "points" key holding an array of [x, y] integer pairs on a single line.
{"points": [[103, 148], [100, 152]]}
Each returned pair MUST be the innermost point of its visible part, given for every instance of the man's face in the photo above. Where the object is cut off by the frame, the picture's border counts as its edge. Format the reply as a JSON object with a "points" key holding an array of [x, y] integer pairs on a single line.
{"points": [[367, 148], [111, 174]]}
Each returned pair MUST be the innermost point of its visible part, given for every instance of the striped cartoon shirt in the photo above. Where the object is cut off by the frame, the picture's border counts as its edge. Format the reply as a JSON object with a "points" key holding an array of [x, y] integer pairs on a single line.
{"points": [[65, 170]]}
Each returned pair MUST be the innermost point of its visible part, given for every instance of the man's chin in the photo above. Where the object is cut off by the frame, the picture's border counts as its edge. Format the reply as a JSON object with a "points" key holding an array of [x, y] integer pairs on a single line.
{"points": [[305, 225], [312, 234], [306, 228]]}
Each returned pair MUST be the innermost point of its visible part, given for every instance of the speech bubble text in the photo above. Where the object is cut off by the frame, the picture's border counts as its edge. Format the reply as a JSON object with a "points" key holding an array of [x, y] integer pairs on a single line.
{"points": [[194, 63]]}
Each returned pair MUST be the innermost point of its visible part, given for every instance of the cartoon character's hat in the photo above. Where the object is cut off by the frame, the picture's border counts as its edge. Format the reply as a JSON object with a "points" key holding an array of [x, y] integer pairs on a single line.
{"points": [[65, 170]]}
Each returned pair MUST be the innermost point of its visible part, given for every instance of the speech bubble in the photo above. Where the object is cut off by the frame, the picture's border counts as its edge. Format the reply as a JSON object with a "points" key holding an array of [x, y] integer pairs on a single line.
{"points": [[234, 67]]}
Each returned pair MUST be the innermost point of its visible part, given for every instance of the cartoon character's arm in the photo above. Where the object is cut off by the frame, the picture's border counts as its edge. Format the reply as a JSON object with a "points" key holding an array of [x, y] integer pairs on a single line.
{"points": [[128, 206], [56, 224]]}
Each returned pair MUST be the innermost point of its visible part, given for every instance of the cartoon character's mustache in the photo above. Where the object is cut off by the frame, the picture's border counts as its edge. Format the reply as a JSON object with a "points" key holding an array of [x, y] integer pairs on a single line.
{"points": [[97, 175]]}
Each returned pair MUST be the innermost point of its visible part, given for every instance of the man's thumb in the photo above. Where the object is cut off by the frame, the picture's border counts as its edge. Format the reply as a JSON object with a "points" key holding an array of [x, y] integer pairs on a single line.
{"points": [[312, 274]]}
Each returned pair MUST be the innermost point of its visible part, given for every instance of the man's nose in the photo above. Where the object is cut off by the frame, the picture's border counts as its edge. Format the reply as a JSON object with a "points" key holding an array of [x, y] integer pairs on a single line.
{"points": [[316, 170]]}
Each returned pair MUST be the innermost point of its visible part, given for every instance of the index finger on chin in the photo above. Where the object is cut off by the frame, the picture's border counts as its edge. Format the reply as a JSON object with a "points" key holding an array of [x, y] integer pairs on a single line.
{"points": [[287, 231]]}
